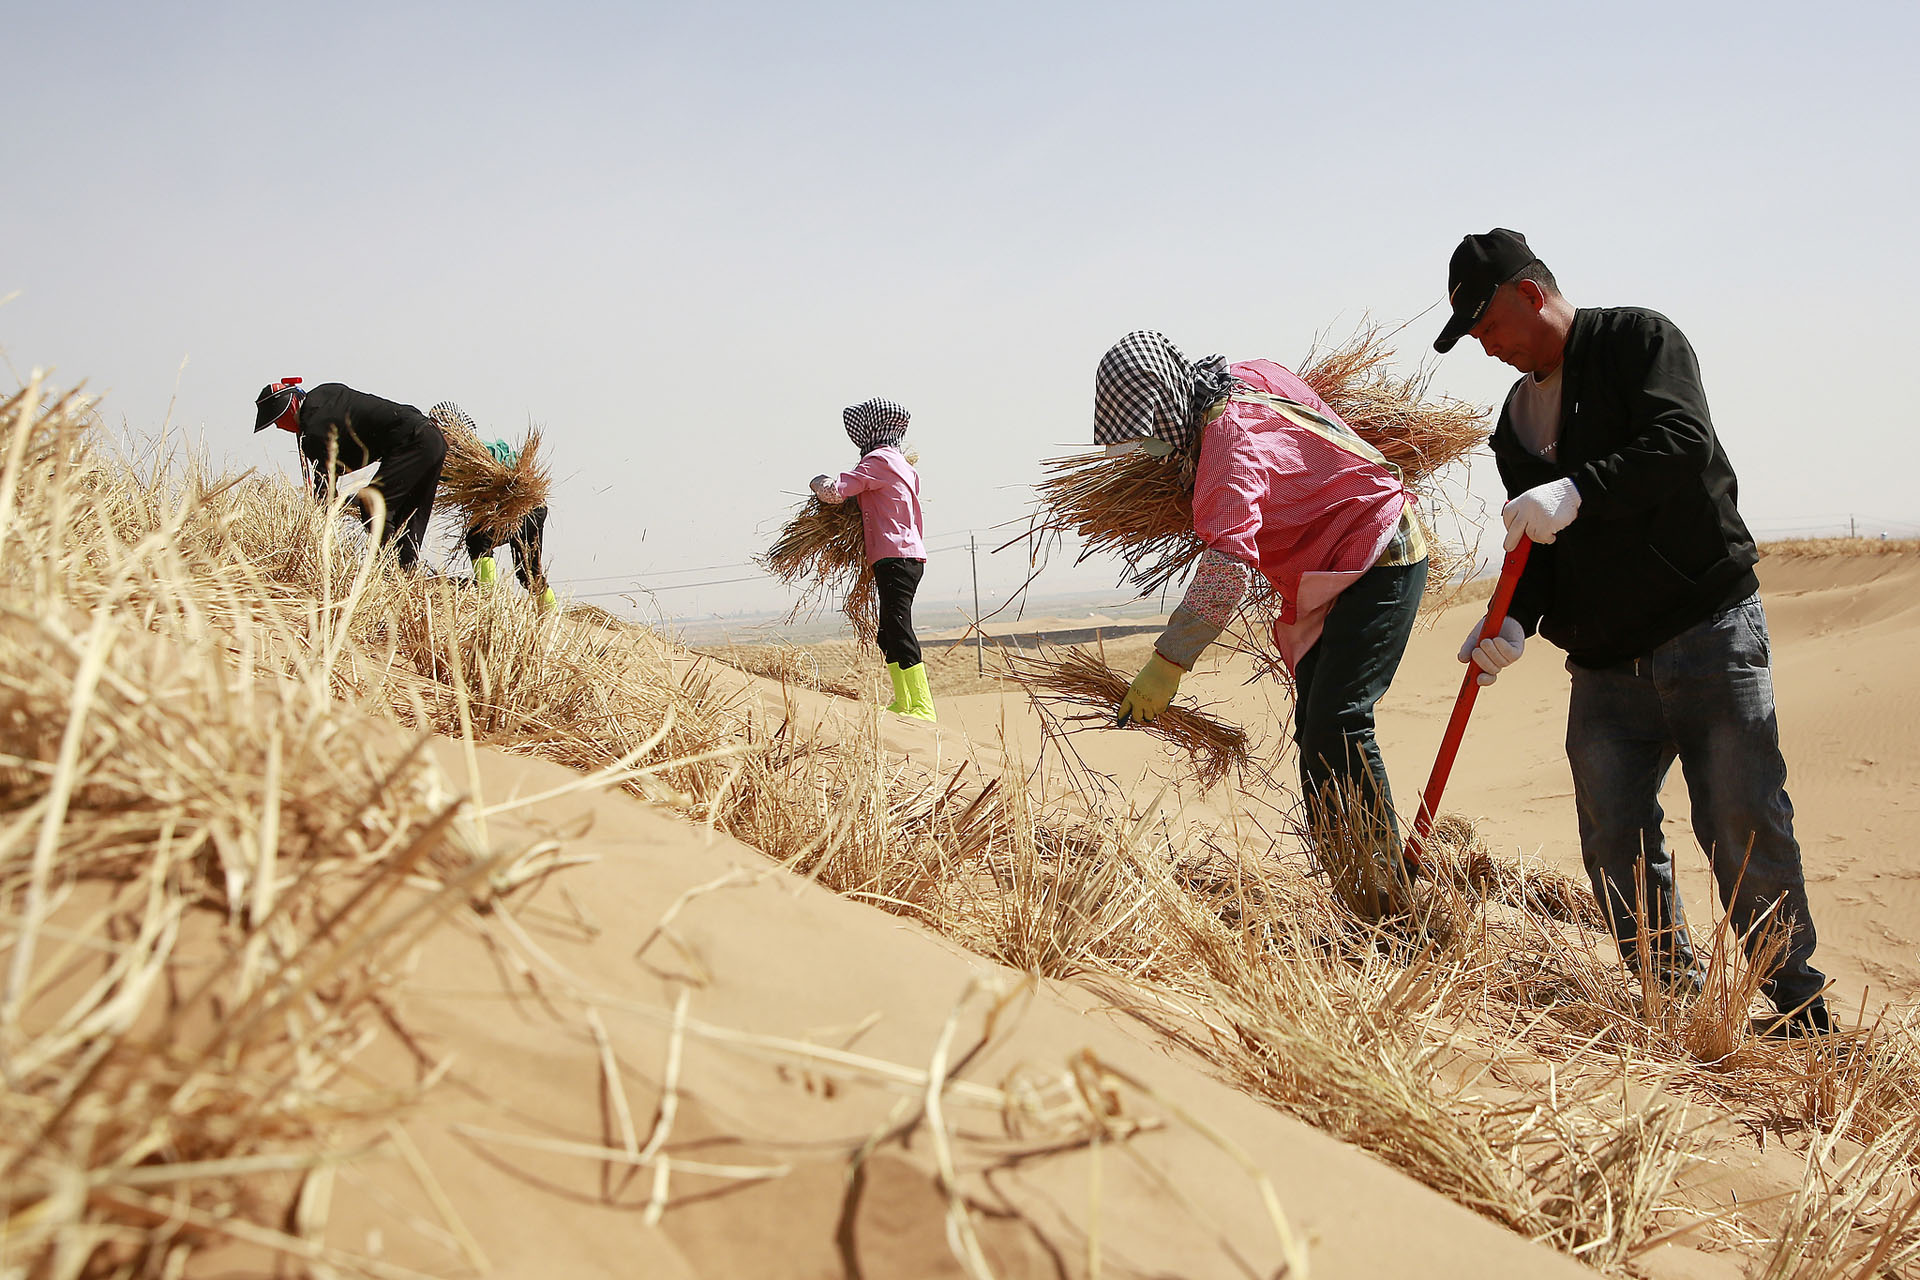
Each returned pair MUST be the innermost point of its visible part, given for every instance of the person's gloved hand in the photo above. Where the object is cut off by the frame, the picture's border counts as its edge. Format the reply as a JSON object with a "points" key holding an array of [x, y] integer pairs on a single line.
{"points": [[1541, 512], [1147, 697], [1495, 653], [823, 489]]}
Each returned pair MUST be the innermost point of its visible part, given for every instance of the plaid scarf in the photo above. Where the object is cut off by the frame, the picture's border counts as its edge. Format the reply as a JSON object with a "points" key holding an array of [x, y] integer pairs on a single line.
{"points": [[1145, 389], [875, 424], [449, 414]]}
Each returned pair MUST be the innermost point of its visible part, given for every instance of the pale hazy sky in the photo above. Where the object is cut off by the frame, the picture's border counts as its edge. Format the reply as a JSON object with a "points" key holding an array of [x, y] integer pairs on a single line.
{"points": [[683, 238]]}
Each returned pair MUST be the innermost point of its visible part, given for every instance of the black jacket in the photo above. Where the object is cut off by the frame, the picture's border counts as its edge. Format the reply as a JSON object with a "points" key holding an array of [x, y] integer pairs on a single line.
{"points": [[361, 428], [1658, 544]]}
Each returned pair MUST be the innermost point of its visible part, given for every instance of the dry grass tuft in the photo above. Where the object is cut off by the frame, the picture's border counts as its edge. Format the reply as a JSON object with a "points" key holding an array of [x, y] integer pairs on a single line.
{"points": [[1456, 856], [207, 878], [793, 666], [1075, 678], [1818, 548], [822, 552], [481, 492]]}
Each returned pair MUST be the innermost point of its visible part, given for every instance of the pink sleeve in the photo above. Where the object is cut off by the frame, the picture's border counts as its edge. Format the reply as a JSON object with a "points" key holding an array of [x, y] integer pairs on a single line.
{"points": [[868, 475], [1227, 492]]}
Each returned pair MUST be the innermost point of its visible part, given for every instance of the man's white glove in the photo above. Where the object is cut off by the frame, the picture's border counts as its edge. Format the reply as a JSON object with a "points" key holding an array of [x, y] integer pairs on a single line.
{"points": [[823, 489], [1541, 512], [1495, 653]]}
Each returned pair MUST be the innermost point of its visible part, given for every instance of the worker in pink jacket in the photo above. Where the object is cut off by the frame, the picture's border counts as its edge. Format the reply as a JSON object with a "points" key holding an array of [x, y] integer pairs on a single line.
{"points": [[888, 491], [1285, 489]]}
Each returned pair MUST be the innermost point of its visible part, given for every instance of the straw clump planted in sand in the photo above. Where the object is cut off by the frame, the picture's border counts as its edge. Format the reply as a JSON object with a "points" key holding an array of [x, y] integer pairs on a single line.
{"points": [[484, 493], [822, 553], [206, 882]]}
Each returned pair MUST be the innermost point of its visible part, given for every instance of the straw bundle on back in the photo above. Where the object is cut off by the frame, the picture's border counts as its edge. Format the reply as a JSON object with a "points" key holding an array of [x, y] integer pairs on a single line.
{"points": [[1141, 508], [1074, 677], [822, 552], [1417, 434], [479, 489]]}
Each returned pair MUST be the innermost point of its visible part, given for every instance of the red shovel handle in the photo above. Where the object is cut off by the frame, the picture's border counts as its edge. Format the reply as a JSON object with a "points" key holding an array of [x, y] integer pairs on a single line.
{"points": [[1463, 704]]}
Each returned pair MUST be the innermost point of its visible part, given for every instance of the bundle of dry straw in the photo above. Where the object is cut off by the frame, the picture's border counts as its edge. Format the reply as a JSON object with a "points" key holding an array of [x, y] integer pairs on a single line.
{"points": [[1141, 508], [822, 552], [1076, 678], [482, 492]]}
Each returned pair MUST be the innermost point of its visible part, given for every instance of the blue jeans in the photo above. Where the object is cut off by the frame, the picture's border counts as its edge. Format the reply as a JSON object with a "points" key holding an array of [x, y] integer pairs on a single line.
{"points": [[1335, 689], [1704, 697]]}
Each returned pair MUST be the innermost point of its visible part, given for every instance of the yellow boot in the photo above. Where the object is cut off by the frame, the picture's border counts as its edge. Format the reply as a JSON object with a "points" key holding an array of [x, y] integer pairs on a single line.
{"points": [[919, 696], [899, 702], [547, 602], [485, 571]]}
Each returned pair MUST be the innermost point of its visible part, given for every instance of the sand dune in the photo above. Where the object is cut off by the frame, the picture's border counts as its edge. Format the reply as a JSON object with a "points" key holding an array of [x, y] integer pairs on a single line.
{"points": [[769, 962], [761, 952], [638, 1044]]}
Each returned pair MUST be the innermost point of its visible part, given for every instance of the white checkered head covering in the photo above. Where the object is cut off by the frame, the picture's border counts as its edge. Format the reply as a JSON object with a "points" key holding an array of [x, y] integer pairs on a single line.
{"points": [[449, 414], [874, 424], [1146, 390]]}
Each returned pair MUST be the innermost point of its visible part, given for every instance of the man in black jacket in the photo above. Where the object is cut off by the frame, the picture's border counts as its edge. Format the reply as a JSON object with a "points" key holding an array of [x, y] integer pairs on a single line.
{"points": [[1642, 570], [342, 430]]}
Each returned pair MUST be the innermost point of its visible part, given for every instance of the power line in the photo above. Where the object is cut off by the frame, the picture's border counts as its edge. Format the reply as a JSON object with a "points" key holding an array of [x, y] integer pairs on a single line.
{"points": [[634, 577], [676, 586], [655, 573]]}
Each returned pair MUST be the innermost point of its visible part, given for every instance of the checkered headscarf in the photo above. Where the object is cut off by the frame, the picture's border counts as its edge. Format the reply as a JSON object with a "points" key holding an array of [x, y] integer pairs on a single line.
{"points": [[875, 424], [450, 414], [1145, 389]]}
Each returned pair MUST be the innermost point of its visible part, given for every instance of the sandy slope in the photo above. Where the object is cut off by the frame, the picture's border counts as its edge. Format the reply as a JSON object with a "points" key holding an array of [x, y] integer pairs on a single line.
{"points": [[1844, 632], [760, 951], [764, 952]]}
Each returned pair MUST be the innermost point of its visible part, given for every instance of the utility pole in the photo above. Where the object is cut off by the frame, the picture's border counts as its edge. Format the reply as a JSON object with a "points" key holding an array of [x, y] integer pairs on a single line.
{"points": [[1852, 530], [979, 636]]}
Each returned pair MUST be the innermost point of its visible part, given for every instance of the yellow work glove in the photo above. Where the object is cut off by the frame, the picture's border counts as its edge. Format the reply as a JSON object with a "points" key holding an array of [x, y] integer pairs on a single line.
{"points": [[1147, 697]]}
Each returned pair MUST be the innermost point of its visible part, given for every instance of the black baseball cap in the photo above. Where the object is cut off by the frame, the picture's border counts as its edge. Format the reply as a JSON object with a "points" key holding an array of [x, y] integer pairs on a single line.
{"points": [[273, 401], [1477, 270]]}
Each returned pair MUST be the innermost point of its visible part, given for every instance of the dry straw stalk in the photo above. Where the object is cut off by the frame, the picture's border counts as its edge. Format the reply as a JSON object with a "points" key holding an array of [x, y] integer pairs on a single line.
{"points": [[822, 553], [485, 494], [1076, 678]]}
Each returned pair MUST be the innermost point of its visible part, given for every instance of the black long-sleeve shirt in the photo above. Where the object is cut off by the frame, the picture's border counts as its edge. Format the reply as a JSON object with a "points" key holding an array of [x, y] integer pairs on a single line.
{"points": [[1658, 544], [356, 429]]}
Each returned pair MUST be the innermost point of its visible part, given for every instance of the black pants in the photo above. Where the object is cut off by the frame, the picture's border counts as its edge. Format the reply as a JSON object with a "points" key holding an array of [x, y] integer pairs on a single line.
{"points": [[1336, 687], [407, 480], [897, 580], [525, 544]]}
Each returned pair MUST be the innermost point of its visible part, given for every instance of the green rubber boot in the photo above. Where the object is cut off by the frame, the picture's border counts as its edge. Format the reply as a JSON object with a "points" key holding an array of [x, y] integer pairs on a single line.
{"points": [[547, 602], [919, 696], [899, 702], [485, 571]]}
